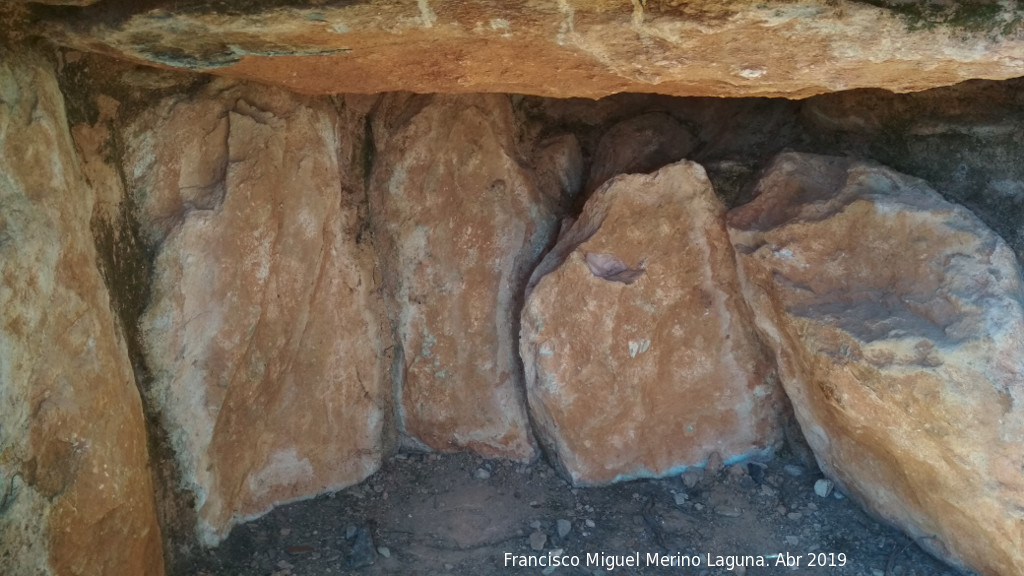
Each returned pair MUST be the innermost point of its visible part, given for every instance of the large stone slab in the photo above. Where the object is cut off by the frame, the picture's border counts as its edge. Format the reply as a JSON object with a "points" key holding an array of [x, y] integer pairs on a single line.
{"points": [[458, 223], [265, 335], [563, 48], [898, 325], [76, 495], [639, 351]]}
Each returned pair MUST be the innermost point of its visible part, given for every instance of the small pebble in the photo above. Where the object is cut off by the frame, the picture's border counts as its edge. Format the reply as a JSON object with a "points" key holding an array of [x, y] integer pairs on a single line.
{"points": [[792, 540], [838, 495], [564, 527], [384, 551], [698, 507], [692, 477], [482, 474], [729, 512], [590, 523], [794, 515], [823, 487], [537, 540], [793, 470], [680, 498]]}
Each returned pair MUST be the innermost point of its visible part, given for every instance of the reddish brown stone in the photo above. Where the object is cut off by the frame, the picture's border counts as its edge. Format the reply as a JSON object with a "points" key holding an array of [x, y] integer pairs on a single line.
{"points": [[639, 352], [75, 488], [557, 48], [265, 333], [898, 324], [458, 223]]}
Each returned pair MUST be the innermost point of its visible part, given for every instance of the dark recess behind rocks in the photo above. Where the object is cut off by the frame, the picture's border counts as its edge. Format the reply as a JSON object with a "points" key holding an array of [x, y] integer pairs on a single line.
{"points": [[965, 140]]}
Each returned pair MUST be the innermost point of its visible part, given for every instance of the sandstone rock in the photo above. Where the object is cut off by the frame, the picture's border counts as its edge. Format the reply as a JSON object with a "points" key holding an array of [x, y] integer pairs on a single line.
{"points": [[562, 48], [966, 151], [639, 145], [76, 495], [265, 334], [458, 223], [898, 325], [638, 349]]}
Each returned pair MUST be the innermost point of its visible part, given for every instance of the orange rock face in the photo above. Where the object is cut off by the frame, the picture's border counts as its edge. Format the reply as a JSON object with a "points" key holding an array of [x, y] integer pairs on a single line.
{"points": [[265, 334], [639, 352], [557, 48], [75, 488], [458, 223], [897, 321]]}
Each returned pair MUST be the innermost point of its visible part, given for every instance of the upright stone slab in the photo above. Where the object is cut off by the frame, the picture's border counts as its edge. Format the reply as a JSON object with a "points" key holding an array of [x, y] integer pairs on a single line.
{"points": [[265, 334], [639, 351], [897, 320], [76, 497], [459, 224]]}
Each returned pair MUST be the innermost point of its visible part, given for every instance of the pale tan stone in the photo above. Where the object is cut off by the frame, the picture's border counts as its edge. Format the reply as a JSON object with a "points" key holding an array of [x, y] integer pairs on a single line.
{"points": [[76, 497], [639, 352], [897, 320], [458, 223], [265, 333]]}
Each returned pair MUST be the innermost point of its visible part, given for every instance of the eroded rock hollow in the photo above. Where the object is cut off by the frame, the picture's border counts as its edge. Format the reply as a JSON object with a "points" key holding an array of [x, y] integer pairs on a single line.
{"points": [[222, 293]]}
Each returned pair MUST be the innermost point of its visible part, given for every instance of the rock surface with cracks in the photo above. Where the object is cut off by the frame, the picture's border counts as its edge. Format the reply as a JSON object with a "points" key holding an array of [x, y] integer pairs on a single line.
{"points": [[559, 48], [459, 222], [76, 496], [639, 352], [898, 324], [265, 333]]}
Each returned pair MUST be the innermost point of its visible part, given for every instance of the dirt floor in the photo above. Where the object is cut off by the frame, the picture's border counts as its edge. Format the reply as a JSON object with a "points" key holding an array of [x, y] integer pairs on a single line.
{"points": [[458, 514]]}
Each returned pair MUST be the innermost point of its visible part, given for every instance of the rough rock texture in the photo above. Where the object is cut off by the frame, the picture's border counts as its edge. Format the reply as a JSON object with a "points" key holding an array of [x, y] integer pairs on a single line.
{"points": [[967, 151], [562, 47], [639, 351], [458, 223], [897, 321], [265, 334], [76, 496], [639, 145]]}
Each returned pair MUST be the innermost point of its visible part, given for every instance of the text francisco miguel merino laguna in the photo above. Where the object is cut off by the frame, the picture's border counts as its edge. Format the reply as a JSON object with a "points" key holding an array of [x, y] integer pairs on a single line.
{"points": [[655, 559]]}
